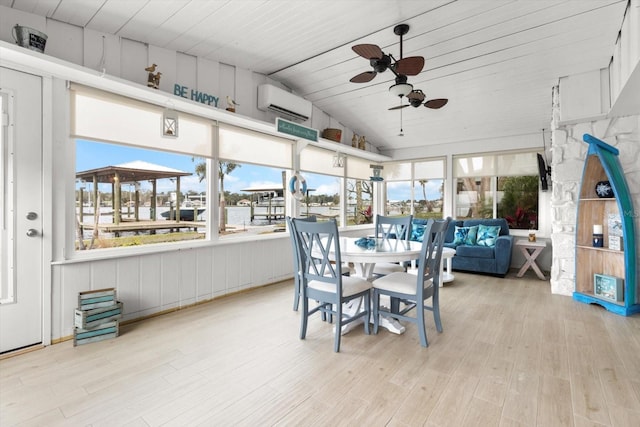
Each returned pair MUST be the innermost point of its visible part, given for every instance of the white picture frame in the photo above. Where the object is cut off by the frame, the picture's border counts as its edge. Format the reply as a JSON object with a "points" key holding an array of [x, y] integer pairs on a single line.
{"points": [[615, 243]]}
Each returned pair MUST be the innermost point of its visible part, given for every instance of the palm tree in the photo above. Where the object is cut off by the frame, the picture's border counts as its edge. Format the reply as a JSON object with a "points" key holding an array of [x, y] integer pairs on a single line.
{"points": [[428, 204], [201, 171], [224, 168]]}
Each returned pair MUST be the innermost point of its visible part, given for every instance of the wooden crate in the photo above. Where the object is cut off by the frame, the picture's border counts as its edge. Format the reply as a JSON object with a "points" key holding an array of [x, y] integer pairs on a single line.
{"points": [[96, 299], [101, 332], [89, 319]]}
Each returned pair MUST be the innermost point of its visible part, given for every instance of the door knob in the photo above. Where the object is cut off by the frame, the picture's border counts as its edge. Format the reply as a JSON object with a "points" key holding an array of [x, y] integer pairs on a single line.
{"points": [[32, 232]]}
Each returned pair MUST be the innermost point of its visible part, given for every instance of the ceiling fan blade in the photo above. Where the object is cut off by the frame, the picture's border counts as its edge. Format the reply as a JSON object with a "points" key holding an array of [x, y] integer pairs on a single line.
{"points": [[411, 66], [436, 103], [365, 77], [369, 51], [398, 107]]}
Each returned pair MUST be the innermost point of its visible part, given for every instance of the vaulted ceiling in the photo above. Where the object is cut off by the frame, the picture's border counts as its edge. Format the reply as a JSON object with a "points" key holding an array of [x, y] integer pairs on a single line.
{"points": [[495, 60]]}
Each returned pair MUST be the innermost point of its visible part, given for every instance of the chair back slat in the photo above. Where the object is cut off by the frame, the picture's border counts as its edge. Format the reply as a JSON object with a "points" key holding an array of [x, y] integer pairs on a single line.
{"points": [[320, 250], [393, 227], [431, 253], [297, 258]]}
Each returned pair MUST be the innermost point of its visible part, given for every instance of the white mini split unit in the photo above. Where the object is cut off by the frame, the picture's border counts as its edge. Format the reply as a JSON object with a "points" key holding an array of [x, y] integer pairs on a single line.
{"points": [[283, 103]]}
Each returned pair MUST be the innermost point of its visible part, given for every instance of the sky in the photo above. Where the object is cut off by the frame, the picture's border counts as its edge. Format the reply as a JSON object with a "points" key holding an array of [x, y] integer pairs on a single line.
{"points": [[92, 155]]}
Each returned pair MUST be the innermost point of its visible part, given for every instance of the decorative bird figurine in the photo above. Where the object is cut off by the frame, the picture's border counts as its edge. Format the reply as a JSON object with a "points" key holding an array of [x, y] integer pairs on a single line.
{"points": [[151, 78], [156, 80], [231, 104]]}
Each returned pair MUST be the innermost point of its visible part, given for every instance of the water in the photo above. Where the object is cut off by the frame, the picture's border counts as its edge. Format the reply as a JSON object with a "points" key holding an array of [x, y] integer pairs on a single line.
{"points": [[237, 216], [241, 215]]}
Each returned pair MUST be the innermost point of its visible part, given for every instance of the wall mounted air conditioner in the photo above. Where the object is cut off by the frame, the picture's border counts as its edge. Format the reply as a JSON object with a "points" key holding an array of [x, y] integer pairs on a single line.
{"points": [[283, 103]]}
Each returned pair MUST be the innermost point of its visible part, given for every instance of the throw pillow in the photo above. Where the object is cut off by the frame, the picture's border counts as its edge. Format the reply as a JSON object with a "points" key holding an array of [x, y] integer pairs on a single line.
{"points": [[487, 235], [465, 235], [417, 232]]}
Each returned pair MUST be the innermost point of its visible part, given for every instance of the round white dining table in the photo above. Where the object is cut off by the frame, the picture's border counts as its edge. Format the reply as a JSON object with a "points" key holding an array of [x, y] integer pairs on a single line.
{"points": [[364, 259]]}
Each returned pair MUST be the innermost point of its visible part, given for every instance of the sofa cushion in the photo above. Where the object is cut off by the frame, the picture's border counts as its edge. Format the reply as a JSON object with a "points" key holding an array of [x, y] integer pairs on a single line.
{"points": [[475, 251], [504, 225], [448, 235], [417, 232], [487, 235], [465, 235]]}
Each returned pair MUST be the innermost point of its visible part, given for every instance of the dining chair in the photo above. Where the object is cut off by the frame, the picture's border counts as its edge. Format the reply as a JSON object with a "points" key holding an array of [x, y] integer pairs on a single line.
{"points": [[413, 290], [322, 279], [297, 263], [388, 227]]}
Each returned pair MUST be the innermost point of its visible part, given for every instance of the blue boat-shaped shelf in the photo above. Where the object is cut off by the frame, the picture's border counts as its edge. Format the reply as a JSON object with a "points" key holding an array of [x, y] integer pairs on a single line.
{"points": [[617, 287]]}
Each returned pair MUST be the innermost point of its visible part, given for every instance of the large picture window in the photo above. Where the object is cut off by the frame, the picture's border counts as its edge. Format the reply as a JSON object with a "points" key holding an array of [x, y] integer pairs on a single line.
{"points": [[135, 183], [128, 196], [251, 200], [415, 188], [498, 186]]}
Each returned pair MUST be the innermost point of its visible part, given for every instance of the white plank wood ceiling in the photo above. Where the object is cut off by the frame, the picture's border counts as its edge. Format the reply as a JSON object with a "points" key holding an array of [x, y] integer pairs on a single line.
{"points": [[495, 60]]}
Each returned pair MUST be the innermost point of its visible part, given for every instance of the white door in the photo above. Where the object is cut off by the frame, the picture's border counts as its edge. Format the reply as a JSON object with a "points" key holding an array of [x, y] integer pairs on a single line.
{"points": [[20, 210]]}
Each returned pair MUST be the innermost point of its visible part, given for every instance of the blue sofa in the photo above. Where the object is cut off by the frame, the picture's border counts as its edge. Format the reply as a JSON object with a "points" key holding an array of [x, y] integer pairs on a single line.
{"points": [[494, 260]]}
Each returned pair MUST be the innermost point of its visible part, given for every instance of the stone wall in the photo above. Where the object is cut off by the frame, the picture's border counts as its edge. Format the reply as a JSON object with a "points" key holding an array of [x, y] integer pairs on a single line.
{"points": [[568, 155]]}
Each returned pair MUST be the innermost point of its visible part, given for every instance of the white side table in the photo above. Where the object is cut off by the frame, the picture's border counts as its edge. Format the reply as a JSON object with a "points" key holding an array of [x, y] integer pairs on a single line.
{"points": [[531, 251], [446, 275]]}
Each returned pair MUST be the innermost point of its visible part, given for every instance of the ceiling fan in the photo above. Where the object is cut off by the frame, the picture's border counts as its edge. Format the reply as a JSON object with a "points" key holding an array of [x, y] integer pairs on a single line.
{"points": [[403, 67]]}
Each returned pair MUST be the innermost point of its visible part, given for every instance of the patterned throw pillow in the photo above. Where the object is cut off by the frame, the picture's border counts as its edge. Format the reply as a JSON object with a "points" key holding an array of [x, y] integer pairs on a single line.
{"points": [[487, 235], [417, 232], [465, 235]]}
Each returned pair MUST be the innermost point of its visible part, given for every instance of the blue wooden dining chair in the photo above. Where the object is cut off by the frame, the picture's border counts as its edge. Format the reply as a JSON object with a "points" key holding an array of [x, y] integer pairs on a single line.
{"points": [[414, 290], [391, 227], [322, 279], [297, 261]]}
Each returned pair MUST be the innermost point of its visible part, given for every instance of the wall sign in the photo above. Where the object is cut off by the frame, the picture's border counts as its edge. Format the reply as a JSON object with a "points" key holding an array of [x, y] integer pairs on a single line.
{"points": [[296, 130], [195, 95]]}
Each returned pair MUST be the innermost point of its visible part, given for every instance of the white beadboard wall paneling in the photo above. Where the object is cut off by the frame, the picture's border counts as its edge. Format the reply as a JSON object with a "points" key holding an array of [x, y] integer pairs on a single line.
{"points": [[73, 280], [208, 77], [233, 267], [227, 84], [243, 93], [65, 41], [134, 59], [102, 52], [170, 280], [150, 287], [204, 273], [219, 270], [166, 61], [103, 275], [57, 273], [127, 277], [186, 71], [188, 277]]}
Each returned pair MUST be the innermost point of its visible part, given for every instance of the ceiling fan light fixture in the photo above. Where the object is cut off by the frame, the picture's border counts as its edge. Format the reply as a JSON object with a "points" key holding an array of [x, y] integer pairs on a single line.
{"points": [[401, 89]]}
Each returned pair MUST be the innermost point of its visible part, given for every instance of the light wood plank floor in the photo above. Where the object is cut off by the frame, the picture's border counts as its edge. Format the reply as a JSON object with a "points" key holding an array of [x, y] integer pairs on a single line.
{"points": [[510, 354]]}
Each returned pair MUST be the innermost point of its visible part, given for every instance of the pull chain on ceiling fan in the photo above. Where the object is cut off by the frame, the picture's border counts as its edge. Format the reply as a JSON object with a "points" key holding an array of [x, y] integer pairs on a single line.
{"points": [[411, 66]]}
